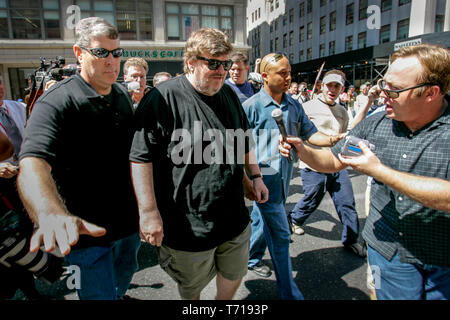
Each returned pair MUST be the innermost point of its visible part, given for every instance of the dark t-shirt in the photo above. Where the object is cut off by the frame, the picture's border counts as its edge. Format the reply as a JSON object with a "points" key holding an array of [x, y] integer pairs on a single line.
{"points": [[86, 139], [201, 202]]}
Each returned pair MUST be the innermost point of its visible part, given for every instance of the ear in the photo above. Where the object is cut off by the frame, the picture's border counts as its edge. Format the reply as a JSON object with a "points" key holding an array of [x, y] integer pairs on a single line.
{"points": [[78, 53], [191, 65], [432, 93]]}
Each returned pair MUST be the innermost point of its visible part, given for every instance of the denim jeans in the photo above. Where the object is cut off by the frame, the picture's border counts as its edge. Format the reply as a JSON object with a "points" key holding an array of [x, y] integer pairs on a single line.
{"points": [[406, 281], [106, 272], [315, 185], [258, 243], [277, 236]]}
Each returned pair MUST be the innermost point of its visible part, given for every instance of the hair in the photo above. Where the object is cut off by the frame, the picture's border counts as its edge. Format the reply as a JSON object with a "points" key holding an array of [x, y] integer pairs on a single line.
{"points": [[135, 62], [435, 61], [335, 71], [303, 83], [292, 83], [159, 76], [93, 27], [206, 40], [362, 87], [239, 57]]}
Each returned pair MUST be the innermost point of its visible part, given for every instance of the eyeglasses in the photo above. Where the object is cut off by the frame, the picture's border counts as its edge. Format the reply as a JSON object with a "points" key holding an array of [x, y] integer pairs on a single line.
{"points": [[394, 94], [104, 53], [214, 64]]}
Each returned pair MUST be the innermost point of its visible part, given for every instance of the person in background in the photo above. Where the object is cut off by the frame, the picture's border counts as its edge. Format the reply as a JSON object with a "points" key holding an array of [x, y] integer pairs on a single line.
{"points": [[136, 69], [238, 77], [293, 89], [160, 77]]}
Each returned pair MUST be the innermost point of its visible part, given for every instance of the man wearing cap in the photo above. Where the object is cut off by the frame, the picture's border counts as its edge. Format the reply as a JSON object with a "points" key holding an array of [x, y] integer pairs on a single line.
{"points": [[330, 118]]}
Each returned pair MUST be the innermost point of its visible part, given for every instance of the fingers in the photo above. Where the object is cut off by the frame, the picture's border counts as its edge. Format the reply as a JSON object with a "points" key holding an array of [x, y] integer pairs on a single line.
{"points": [[91, 229], [36, 240]]}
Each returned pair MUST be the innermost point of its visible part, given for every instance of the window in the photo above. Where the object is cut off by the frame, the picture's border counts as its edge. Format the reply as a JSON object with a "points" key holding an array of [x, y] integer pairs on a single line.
{"points": [[291, 58], [291, 38], [309, 31], [309, 6], [302, 9], [350, 13], [277, 4], [362, 38], [271, 45], [403, 2], [284, 20], [439, 23], [183, 19], [323, 3], [403, 29], [285, 40], [133, 18], [300, 56], [385, 33], [253, 17], [291, 15], [271, 27], [276, 25], [349, 43], [363, 4], [386, 5], [309, 54], [259, 13], [333, 21], [277, 44], [323, 24], [322, 50], [332, 48], [301, 35], [30, 19]]}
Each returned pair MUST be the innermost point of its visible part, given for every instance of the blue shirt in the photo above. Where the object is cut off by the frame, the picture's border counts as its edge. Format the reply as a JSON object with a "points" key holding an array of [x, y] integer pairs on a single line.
{"points": [[276, 169], [244, 91]]}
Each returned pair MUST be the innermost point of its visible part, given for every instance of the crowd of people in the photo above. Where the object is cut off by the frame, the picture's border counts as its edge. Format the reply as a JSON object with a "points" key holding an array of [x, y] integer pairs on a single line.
{"points": [[184, 193]]}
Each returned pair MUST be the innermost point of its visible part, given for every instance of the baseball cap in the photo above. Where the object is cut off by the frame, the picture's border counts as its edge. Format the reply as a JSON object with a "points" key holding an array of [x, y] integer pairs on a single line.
{"points": [[334, 78]]}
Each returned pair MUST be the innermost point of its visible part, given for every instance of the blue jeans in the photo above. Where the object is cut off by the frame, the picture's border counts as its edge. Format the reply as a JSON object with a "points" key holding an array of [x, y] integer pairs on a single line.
{"points": [[106, 272], [315, 185], [277, 235], [258, 243], [407, 281]]}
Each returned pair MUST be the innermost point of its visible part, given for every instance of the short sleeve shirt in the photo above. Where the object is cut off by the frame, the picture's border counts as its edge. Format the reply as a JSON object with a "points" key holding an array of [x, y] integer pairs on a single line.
{"points": [[396, 222]]}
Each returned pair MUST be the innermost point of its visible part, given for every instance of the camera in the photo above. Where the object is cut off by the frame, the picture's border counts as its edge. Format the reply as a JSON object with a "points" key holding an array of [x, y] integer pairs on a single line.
{"points": [[15, 234], [304, 89], [351, 147]]}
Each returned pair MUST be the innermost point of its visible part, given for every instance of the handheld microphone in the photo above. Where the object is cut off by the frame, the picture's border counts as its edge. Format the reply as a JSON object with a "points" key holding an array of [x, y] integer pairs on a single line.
{"points": [[133, 86], [277, 115]]}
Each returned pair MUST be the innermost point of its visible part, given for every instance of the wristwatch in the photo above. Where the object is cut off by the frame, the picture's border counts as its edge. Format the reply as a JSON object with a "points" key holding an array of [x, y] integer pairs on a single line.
{"points": [[255, 176]]}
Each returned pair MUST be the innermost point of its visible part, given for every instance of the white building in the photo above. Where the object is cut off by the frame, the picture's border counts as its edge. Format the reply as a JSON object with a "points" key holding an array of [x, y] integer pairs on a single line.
{"points": [[308, 31], [155, 30]]}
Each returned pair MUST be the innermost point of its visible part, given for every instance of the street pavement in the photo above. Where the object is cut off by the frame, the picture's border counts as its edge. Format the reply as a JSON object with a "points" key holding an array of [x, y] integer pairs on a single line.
{"points": [[322, 269]]}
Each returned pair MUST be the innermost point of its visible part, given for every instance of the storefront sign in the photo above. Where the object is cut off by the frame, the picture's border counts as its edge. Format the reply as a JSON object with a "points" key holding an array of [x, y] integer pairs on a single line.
{"points": [[154, 54], [409, 43]]}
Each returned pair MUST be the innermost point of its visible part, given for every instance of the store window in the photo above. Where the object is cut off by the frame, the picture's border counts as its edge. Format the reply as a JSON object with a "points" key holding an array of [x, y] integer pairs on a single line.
{"points": [[183, 19], [30, 19], [133, 18]]}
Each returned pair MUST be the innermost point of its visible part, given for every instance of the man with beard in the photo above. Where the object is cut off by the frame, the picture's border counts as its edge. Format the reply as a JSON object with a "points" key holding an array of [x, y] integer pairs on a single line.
{"points": [[191, 199], [330, 118], [74, 175]]}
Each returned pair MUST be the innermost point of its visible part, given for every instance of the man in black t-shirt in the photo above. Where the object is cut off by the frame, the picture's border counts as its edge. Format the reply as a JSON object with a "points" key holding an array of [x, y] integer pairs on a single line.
{"points": [[74, 171], [188, 171]]}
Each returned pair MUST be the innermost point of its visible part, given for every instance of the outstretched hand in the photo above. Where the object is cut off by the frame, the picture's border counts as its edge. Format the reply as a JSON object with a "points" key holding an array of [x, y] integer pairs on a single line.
{"points": [[63, 231], [367, 163]]}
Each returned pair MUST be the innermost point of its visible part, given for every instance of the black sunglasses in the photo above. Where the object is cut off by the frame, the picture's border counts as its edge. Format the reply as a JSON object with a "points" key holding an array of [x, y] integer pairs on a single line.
{"points": [[104, 53], [394, 94], [214, 64]]}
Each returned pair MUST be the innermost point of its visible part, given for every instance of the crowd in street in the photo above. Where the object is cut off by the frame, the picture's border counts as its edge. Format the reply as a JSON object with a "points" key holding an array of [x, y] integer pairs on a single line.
{"points": [[98, 167]]}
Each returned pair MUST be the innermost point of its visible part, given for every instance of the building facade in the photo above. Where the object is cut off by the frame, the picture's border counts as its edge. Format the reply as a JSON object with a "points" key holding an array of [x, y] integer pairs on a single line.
{"points": [[155, 30], [356, 36]]}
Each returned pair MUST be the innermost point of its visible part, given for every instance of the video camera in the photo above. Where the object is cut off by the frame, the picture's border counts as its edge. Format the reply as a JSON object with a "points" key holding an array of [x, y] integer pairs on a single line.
{"points": [[48, 70]]}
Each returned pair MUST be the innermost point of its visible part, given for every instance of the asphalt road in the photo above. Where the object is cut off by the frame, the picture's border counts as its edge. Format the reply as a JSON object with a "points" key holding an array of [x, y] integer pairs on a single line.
{"points": [[323, 270]]}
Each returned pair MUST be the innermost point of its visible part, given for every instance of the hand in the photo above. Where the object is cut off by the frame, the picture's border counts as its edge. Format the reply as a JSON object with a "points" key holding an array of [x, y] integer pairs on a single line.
{"points": [[7, 170], [64, 229], [258, 61], [286, 146], [367, 163], [339, 137], [249, 190], [151, 229], [374, 93], [262, 194]]}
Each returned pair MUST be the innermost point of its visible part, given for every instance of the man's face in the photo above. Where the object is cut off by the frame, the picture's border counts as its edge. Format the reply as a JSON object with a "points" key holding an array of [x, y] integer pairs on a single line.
{"points": [[2, 90], [331, 91], [136, 73], [206, 81], [294, 88], [278, 76], [302, 90], [403, 73], [238, 72], [101, 73], [365, 90]]}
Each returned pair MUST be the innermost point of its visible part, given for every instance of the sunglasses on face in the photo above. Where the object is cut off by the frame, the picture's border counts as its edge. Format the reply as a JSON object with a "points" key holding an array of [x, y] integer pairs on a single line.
{"points": [[214, 64], [104, 53], [394, 94]]}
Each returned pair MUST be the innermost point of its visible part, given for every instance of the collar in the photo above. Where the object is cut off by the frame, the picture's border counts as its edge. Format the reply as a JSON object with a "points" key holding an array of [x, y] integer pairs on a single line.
{"points": [[267, 100], [90, 91]]}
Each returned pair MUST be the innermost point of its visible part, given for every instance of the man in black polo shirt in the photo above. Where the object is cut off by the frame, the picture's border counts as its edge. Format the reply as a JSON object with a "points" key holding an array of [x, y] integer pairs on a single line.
{"points": [[74, 171], [189, 189], [407, 229]]}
